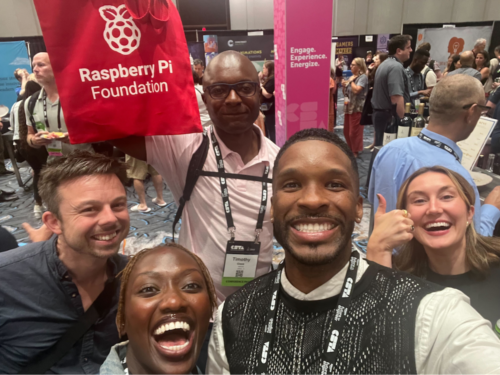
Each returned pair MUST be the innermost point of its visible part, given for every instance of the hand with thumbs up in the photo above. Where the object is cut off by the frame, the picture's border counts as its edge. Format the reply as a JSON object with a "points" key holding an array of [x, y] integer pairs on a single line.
{"points": [[38, 235], [390, 230]]}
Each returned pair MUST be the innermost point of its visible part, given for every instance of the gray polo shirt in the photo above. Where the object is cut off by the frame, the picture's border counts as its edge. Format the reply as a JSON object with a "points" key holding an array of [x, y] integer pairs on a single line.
{"points": [[467, 71], [390, 80], [52, 116]]}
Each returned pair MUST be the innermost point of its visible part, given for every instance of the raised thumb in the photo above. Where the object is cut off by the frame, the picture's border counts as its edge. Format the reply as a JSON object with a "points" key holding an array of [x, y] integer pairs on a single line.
{"points": [[382, 205]]}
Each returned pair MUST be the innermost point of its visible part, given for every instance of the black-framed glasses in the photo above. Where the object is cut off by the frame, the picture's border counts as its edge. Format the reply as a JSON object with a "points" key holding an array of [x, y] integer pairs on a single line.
{"points": [[220, 91], [484, 108]]}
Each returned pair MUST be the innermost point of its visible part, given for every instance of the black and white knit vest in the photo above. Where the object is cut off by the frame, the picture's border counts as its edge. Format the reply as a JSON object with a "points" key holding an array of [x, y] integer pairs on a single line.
{"points": [[378, 336]]}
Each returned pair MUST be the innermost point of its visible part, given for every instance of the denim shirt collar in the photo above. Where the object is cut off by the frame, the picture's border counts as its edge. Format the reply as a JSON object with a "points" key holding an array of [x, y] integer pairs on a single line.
{"points": [[446, 141]]}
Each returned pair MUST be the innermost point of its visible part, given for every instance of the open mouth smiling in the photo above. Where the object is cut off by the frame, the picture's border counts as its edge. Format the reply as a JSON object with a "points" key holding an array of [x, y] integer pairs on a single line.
{"points": [[174, 338]]}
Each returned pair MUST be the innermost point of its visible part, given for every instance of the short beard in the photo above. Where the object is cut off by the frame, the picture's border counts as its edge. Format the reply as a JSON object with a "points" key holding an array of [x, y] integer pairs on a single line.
{"points": [[282, 234]]}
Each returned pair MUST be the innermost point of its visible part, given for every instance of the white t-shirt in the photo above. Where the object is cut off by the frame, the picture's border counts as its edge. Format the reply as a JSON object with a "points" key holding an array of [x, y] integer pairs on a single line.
{"points": [[450, 336], [430, 78], [204, 116], [14, 120]]}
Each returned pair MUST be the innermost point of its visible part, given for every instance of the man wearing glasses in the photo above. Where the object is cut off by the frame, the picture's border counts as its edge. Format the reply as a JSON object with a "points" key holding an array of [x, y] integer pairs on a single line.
{"points": [[231, 94], [455, 105]]}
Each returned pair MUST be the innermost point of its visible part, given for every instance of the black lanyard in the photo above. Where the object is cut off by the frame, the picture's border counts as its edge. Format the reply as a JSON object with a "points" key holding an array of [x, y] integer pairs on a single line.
{"points": [[331, 350], [44, 98], [441, 145], [225, 193]]}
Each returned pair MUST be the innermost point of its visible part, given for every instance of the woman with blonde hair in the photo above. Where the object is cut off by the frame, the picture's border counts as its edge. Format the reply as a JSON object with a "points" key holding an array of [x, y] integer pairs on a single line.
{"points": [[434, 227], [355, 89]]}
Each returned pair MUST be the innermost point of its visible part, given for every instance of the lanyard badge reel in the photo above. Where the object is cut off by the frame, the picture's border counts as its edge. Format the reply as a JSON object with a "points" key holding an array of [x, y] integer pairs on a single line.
{"points": [[240, 265]]}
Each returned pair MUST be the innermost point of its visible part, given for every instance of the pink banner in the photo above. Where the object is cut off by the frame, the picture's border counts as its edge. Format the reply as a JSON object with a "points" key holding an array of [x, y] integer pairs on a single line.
{"points": [[303, 37]]}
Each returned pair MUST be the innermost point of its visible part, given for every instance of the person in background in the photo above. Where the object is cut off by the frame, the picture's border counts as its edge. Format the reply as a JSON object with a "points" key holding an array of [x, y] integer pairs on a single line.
{"points": [[35, 157], [434, 224], [455, 105], [289, 321], [494, 112], [479, 46], [466, 66], [52, 283], [199, 68], [204, 116], [453, 63], [138, 170], [367, 115], [390, 85], [332, 106], [415, 80], [432, 68], [48, 117], [167, 298], [356, 88], [22, 77], [483, 65], [488, 86], [267, 101], [369, 58]]}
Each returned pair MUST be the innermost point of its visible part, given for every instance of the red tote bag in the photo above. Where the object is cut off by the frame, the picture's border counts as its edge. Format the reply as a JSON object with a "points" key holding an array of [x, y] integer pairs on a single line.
{"points": [[122, 67]]}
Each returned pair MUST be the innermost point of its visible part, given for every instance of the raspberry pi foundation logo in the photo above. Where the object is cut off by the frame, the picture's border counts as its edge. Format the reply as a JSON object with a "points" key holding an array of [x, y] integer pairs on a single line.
{"points": [[121, 33]]}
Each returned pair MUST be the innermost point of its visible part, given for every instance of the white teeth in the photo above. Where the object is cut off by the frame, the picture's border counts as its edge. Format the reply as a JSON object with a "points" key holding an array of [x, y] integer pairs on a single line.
{"points": [[314, 228], [176, 348], [106, 238], [170, 327], [440, 224]]}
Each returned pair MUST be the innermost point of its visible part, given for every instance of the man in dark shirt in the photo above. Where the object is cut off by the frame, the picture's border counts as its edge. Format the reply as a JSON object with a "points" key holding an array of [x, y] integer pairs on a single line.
{"points": [[415, 80], [47, 286], [390, 85], [495, 113]]}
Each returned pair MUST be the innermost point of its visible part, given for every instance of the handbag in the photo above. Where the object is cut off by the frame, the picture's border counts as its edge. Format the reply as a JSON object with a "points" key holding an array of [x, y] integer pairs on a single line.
{"points": [[122, 68]]}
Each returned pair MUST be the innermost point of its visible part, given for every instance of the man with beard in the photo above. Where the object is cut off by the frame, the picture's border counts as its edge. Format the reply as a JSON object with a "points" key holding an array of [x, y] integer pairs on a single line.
{"points": [[51, 287], [325, 310]]}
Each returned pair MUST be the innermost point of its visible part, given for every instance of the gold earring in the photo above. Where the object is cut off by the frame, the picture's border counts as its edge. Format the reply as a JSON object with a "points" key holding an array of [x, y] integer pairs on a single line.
{"points": [[467, 223]]}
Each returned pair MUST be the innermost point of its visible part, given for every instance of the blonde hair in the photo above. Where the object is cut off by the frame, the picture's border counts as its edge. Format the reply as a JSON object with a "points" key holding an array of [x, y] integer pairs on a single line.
{"points": [[480, 252], [360, 62], [125, 276]]}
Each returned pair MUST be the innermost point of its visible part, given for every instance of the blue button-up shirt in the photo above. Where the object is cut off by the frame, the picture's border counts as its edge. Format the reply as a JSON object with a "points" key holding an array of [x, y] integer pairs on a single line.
{"points": [[39, 302], [399, 159]]}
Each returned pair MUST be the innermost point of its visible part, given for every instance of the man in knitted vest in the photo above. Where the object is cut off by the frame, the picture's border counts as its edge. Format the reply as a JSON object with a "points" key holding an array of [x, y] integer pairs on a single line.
{"points": [[328, 310]]}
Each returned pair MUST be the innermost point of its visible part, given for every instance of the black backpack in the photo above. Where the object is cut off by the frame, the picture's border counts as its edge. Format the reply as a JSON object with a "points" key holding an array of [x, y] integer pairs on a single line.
{"points": [[31, 107]]}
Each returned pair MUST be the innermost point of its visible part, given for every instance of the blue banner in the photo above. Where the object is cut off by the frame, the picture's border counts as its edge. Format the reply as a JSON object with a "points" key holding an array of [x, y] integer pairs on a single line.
{"points": [[13, 55]]}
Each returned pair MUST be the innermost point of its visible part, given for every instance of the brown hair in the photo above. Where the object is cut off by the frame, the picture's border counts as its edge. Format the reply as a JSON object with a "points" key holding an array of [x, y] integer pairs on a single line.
{"points": [[481, 252], [77, 164], [269, 64], [382, 56], [125, 276]]}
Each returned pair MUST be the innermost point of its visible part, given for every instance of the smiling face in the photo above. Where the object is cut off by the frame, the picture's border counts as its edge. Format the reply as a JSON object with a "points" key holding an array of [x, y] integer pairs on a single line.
{"points": [[315, 202], [167, 313], [376, 60], [439, 213], [93, 217], [234, 114], [404, 54]]}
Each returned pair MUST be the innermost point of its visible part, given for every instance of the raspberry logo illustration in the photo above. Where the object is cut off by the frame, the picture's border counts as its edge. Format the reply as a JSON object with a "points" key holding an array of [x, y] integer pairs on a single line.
{"points": [[121, 33]]}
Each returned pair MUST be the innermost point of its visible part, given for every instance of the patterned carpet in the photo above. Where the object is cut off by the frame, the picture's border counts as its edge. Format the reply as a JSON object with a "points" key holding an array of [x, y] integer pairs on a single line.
{"points": [[155, 227]]}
